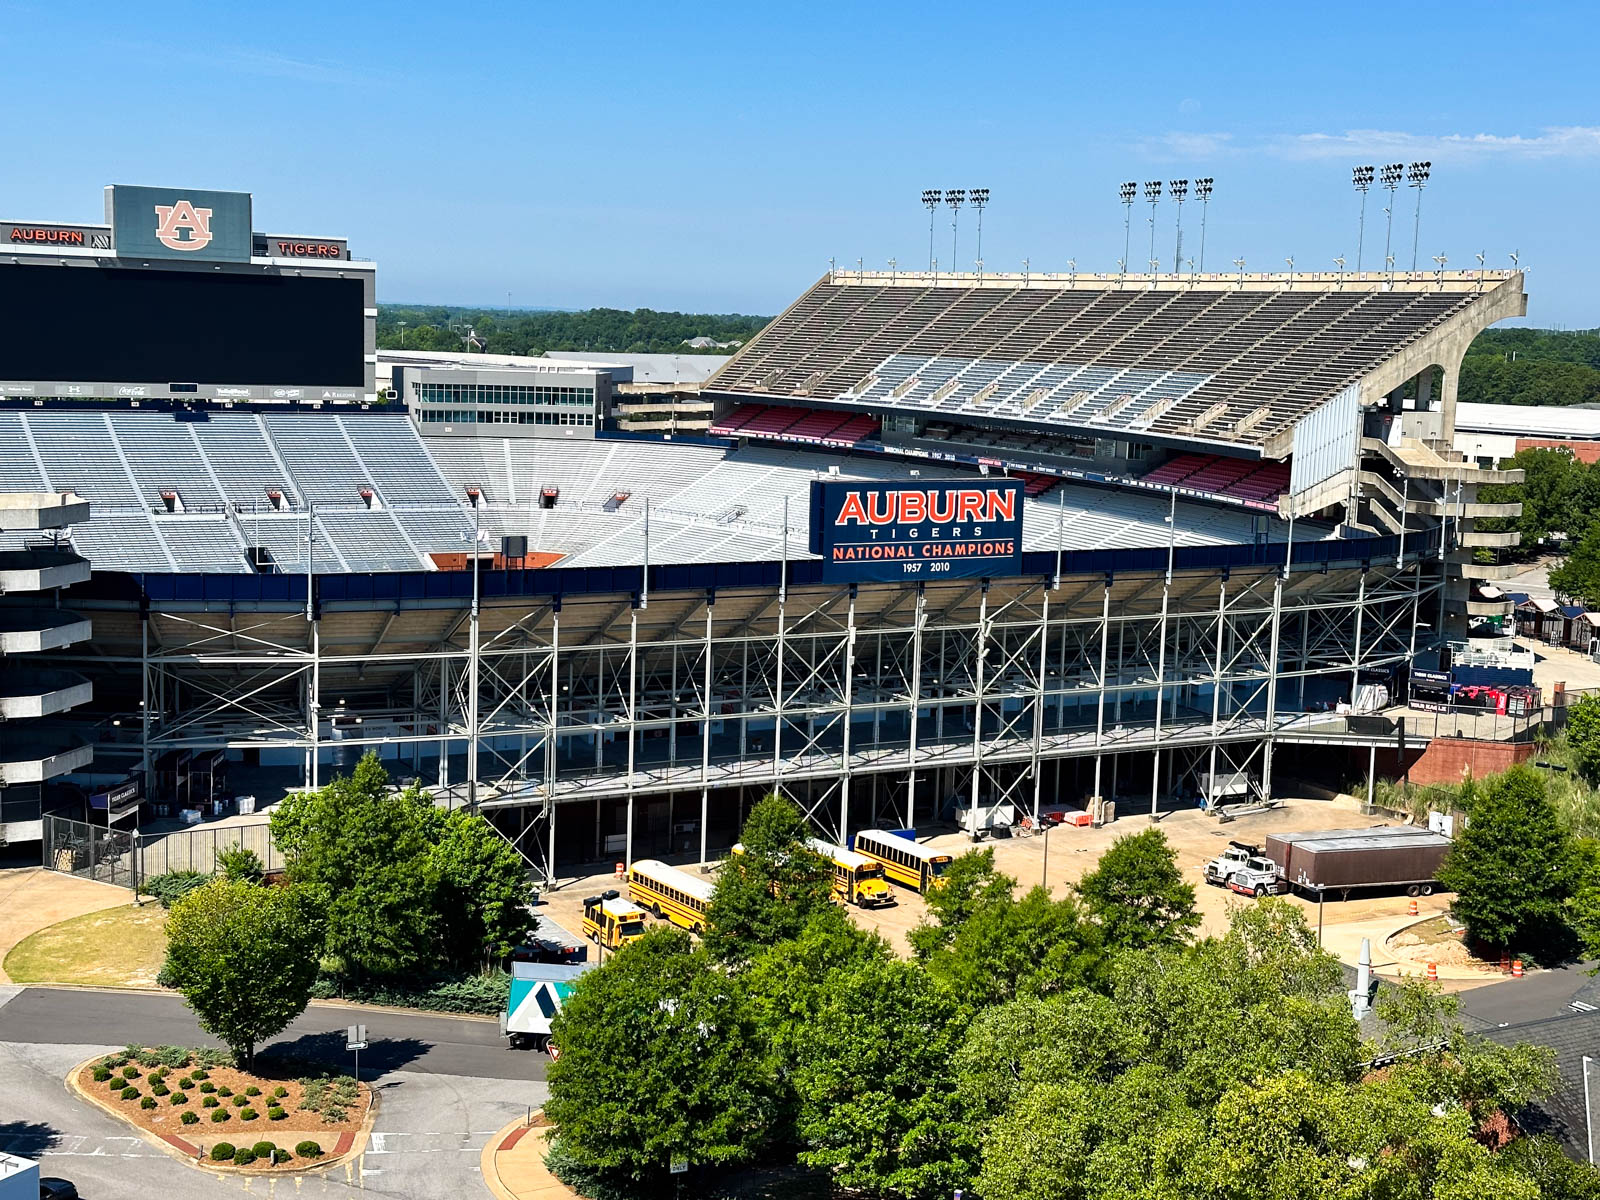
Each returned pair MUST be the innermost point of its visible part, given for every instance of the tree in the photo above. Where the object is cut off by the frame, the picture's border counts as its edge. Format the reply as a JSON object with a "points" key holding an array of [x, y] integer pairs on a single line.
{"points": [[877, 1103], [363, 852], [660, 1059], [1583, 737], [1007, 947], [1513, 868], [244, 958], [1577, 577], [1138, 894], [483, 892], [971, 882], [1584, 907], [766, 894]]}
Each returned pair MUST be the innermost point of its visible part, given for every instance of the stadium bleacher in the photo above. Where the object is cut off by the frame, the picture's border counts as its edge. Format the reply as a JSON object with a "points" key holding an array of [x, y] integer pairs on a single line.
{"points": [[1090, 357], [1234, 478], [819, 427]]}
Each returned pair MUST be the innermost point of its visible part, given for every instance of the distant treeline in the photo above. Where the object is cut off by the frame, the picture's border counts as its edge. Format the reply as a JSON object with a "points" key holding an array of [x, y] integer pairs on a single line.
{"points": [[1532, 366], [599, 330]]}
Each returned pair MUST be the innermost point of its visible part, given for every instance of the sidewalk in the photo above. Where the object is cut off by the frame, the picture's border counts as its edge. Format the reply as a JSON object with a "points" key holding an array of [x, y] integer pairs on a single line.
{"points": [[513, 1164], [32, 898]]}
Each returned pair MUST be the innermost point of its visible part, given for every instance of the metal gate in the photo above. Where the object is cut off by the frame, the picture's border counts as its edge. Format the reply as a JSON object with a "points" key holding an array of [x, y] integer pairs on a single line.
{"points": [[90, 851]]}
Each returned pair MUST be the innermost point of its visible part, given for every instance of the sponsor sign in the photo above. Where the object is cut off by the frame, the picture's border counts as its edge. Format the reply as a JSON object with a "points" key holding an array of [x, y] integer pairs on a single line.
{"points": [[1430, 690], [174, 223], [55, 237], [118, 800], [914, 529]]}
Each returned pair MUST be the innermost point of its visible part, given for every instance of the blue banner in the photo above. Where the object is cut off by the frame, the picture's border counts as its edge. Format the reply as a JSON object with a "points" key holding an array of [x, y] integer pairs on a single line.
{"points": [[914, 530]]}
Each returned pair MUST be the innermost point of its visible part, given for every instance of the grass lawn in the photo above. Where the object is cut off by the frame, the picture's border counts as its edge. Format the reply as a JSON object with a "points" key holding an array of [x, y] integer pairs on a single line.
{"points": [[116, 946]]}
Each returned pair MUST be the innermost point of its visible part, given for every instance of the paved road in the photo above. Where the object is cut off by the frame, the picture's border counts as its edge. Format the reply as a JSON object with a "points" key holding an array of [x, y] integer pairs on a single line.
{"points": [[1536, 997], [409, 1041], [444, 1086]]}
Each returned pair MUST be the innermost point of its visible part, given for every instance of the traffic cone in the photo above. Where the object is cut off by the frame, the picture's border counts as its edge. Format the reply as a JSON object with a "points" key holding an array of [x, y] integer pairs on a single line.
{"points": [[1516, 968], [1433, 972], [1411, 909], [622, 871]]}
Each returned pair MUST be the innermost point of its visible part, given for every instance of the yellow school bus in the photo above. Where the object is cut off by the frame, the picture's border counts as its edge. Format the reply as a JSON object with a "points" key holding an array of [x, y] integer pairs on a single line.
{"points": [[904, 861], [670, 893], [611, 921], [857, 879]]}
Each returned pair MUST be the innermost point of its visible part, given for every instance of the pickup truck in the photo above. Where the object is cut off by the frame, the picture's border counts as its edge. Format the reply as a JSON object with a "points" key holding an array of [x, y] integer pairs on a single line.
{"points": [[1242, 868]]}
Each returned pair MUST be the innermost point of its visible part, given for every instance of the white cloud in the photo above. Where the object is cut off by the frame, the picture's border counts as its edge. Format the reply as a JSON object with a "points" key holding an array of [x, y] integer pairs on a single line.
{"points": [[1377, 145], [1188, 145]]}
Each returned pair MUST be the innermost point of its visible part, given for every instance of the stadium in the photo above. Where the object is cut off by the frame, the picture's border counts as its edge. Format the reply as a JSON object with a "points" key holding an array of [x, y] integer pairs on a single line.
{"points": [[1239, 515]]}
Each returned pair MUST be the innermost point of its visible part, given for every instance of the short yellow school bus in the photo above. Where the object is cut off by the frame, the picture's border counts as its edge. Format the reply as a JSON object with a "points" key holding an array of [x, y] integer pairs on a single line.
{"points": [[857, 879], [611, 921], [904, 861], [668, 892]]}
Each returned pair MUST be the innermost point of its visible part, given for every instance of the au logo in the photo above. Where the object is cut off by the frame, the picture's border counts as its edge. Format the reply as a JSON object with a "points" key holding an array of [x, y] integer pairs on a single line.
{"points": [[182, 226]]}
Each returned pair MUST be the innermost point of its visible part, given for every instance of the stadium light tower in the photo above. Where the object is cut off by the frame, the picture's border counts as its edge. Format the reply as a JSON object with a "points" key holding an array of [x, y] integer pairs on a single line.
{"points": [[1202, 189], [1129, 192], [1179, 189], [1390, 178], [930, 197], [1417, 177], [979, 199], [1152, 194], [1362, 178], [954, 197]]}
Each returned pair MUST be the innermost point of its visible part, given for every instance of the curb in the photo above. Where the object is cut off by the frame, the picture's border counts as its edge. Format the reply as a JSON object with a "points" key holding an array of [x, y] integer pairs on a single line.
{"points": [[507, 1138], [351, 1144], [135, 990]]}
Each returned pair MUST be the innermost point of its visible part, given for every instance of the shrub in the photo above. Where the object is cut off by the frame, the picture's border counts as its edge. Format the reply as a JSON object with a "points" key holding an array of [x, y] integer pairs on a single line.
{"points": [[160, 1089], [178, 1098], [186, 1081], [173, 886], [224, 1091], [208, 1087], [174, 1057], [148, 1102], [308, 1149], [333, 1114], [239, 863], [239, 1101], [209, 1101], [129, 1093], [101, 1074], [189, 1118], [219, 1116], [252, 1090], [280, 1092], [276, 1114], [281, 1156], [147, 1058], [130, 1072], [222, 1152], [243, 1156], [200, 1073], [264, 1150], [247, 1114], [212, 1056]]}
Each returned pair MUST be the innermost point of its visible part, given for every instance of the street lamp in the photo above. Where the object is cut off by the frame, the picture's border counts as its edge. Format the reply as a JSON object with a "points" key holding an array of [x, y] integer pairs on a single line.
{"points": [[1362, 178], [1179, 189], [979, 199], [1417, 177], [954, 198], [1152, 194], [1202, 189], [931, 197], [1129, 192]]}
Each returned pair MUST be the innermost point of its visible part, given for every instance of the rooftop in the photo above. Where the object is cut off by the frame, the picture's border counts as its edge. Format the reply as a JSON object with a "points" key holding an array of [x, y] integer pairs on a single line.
{"points": [[1550, 421], [650, 368]]}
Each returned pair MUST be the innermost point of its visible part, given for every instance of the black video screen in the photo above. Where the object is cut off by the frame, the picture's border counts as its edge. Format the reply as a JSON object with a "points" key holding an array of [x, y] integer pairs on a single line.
{"points": [[130, 325]]}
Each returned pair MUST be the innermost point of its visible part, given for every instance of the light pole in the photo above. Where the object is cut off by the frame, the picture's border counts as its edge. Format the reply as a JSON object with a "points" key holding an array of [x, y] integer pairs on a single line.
{"points": [[979, 199], [402, 325], [1202, 189], [1390, 180], [931, 197], [1417, 177], [1588, 1111], [1362, 178], [1152, 194], [1179, 190], [1129, 191], [954, 197]]}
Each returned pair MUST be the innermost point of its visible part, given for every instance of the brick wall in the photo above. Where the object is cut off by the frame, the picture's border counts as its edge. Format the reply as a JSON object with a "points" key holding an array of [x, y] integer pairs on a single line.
{"points": [[1450, 760], [1585, 452]]}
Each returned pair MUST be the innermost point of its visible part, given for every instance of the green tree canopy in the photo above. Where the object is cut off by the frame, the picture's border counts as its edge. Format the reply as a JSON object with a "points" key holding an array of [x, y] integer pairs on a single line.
{"points": [[520, 331], [970, 883], [244, 958], [483, 892], [660, 1059], [1583, 737], [1138, 894], [767, 893], [1008, 947], [1577, 577], [1513, 868]]}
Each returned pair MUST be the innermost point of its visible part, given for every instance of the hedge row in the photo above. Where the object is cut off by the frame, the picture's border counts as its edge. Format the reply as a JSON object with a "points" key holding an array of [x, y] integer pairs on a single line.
{"points": [[482, 995]]}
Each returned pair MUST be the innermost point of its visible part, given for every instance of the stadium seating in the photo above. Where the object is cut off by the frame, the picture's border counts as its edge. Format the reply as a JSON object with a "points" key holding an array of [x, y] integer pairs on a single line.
{"points": [[1236, 478], [815, 426]]}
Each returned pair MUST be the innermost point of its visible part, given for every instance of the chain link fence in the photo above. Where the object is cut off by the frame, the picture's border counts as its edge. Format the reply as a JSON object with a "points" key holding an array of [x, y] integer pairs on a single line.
{"points": [[89, 851]]}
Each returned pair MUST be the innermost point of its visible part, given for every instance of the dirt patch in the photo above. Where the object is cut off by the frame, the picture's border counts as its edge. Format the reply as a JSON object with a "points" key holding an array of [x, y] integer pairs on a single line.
{"points": [[328, 1110], [32, 899], [115, 947]]}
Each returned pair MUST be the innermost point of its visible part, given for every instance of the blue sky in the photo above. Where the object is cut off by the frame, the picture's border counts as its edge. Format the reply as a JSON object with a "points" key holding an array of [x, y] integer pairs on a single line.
{"points": [[714, 157]]}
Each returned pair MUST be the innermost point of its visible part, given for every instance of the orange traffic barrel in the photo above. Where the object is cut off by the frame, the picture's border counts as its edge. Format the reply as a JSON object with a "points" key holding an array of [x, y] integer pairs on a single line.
{"points": [[1411, 909], [1433, 971], [621, 871], [1516, 968]]}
